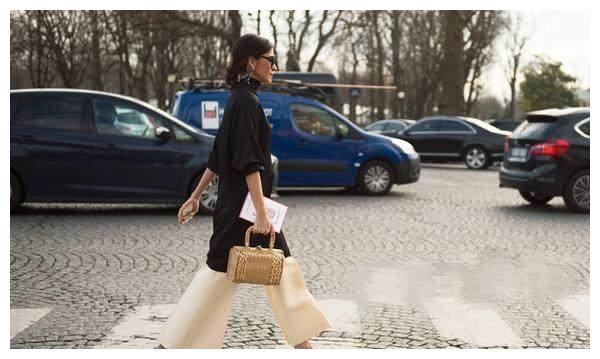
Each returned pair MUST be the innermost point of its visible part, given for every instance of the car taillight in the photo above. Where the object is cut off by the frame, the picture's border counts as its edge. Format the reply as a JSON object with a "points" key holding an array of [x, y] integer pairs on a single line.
{"points": [[552, 149], [505, 144]]}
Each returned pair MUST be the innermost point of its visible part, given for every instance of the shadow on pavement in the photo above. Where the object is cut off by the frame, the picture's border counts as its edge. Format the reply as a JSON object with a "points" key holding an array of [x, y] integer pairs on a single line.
{"points": [[339, 193], [457, 167], [93, 209], [545, 209]]}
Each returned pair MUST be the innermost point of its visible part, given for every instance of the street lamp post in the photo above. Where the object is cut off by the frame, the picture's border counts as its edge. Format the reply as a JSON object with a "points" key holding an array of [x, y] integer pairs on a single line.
{"points": [[401, 96]]}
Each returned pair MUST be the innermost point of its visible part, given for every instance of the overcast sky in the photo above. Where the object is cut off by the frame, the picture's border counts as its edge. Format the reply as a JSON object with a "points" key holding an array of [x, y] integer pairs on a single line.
{"points": [[560, 35]]}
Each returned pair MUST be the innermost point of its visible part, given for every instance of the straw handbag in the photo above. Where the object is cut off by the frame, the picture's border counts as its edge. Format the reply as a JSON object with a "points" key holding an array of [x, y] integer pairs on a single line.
{"points": [[255, 265]]}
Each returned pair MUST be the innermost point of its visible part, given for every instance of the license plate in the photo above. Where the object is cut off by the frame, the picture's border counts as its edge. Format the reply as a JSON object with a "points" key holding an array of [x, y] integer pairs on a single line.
{"points": [[518, 154]]}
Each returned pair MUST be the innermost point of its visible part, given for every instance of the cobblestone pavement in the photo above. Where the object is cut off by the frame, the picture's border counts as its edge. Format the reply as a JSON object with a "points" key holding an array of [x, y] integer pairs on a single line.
{"points": [[451, 261]]}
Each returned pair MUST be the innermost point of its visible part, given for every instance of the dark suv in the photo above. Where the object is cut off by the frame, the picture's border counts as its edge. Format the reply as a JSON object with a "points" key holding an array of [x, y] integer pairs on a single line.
{"points": [[548, 155]]}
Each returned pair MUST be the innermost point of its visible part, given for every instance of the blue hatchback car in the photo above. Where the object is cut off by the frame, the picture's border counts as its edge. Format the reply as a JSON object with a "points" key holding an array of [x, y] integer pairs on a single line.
{"points": [[316, 146]]}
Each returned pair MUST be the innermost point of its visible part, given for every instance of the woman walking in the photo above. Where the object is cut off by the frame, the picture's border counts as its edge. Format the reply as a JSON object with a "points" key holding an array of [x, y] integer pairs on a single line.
{"points": [[241, 157]]}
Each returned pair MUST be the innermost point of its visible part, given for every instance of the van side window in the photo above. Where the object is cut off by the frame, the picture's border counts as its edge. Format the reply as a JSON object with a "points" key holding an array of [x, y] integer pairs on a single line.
{"points": [[64, 112], [119, 118], [313, 120]]}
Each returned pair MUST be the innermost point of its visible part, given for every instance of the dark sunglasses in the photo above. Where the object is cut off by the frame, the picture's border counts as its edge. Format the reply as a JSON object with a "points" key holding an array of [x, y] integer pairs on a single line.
{"points": [[271, 59]]}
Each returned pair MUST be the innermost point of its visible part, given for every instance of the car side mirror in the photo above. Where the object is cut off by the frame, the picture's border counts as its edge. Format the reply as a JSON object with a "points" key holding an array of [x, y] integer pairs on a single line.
{"points": [[338, 132], [162, 132]]}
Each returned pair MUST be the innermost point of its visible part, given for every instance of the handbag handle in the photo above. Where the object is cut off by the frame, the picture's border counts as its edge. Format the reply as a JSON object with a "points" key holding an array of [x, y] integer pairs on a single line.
{"points": [[247, 238]]}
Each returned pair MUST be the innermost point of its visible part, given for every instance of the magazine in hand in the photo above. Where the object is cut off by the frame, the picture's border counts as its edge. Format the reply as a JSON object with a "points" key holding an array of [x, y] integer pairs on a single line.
{"points": [[275, 212]]}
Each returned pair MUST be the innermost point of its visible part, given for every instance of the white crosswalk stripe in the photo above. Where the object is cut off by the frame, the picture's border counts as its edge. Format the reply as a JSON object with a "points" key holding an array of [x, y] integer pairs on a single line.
{"points": [[21, 319], [578, 306], [476, 323], [138, 329], [344, 316]]}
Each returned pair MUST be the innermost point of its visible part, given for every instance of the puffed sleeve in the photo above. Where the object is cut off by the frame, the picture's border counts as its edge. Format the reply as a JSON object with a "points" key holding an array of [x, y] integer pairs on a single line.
{"points": [[247, 156]]}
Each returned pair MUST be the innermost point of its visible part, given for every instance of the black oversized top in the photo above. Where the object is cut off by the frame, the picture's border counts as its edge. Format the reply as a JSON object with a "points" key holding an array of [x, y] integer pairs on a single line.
{"points": [[242, 146]]}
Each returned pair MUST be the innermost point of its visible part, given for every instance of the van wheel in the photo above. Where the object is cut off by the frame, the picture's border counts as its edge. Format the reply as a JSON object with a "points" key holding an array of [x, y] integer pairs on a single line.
{"points": [[375, 178], [16, 192], [577, 192], [208, 198], [477, 158], [535, 198]]}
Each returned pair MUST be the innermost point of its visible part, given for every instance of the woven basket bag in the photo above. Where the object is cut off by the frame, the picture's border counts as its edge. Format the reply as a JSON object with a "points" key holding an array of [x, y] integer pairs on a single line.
{"points": [[255, 265]]}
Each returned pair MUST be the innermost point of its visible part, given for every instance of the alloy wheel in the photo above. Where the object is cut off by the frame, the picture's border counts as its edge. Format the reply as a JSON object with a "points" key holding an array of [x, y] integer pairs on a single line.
{"points": [[208, 198], [581, 192], [377, 178], [475, 158]]}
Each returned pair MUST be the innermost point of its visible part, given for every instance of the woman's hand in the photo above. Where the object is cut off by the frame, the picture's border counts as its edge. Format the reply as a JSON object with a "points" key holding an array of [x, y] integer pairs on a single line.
{"points": [[195, 203], [263, 225]]}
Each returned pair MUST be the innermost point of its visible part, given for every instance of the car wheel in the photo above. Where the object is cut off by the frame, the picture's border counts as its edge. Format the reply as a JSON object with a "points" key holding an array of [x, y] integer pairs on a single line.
{"points": [[577, 192], [208, 198], [375, 178], [477, 158], [16, 192], [535, 198]]}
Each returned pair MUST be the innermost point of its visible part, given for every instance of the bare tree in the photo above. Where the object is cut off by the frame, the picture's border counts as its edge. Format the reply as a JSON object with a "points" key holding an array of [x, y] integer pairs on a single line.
{"points": [[350, 39], [29, 50], [482, 27], [324, 36], [515, 43], [258, 22], [69, 51], [273, 29], [296, 38], [396, 62], [424, 51]]}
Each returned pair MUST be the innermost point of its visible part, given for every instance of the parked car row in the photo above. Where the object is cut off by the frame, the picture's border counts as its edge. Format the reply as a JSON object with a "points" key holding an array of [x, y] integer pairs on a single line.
{"points": [[545, 156], [87, 146]]}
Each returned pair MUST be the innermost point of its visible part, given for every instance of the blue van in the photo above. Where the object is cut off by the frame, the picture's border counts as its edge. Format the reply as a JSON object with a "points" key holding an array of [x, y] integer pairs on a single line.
{"points": [[316, 146]]}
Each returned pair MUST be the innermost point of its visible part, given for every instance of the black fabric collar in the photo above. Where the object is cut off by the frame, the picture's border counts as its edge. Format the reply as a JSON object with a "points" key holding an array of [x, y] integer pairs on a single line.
{"points": [[247, 82]]}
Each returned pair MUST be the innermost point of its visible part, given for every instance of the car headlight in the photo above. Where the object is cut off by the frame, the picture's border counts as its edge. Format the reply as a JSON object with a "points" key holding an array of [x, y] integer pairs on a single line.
{"points": [[403, 145]]}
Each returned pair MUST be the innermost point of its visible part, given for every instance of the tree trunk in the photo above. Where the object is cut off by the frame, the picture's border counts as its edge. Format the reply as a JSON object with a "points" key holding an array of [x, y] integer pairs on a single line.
{"points": [[452, 100], [96, 69]]}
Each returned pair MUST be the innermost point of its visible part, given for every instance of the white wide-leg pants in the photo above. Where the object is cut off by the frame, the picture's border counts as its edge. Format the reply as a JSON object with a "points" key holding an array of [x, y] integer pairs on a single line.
{"points": [[200, 316]]}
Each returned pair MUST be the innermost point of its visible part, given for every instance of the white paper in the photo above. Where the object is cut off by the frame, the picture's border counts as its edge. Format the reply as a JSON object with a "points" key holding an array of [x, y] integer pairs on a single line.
{"points": [[210, 115], [275, 212]]}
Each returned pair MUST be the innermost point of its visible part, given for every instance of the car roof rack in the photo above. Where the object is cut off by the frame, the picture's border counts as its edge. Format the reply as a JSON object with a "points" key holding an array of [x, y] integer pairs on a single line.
{"points": [[287, 86]]}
